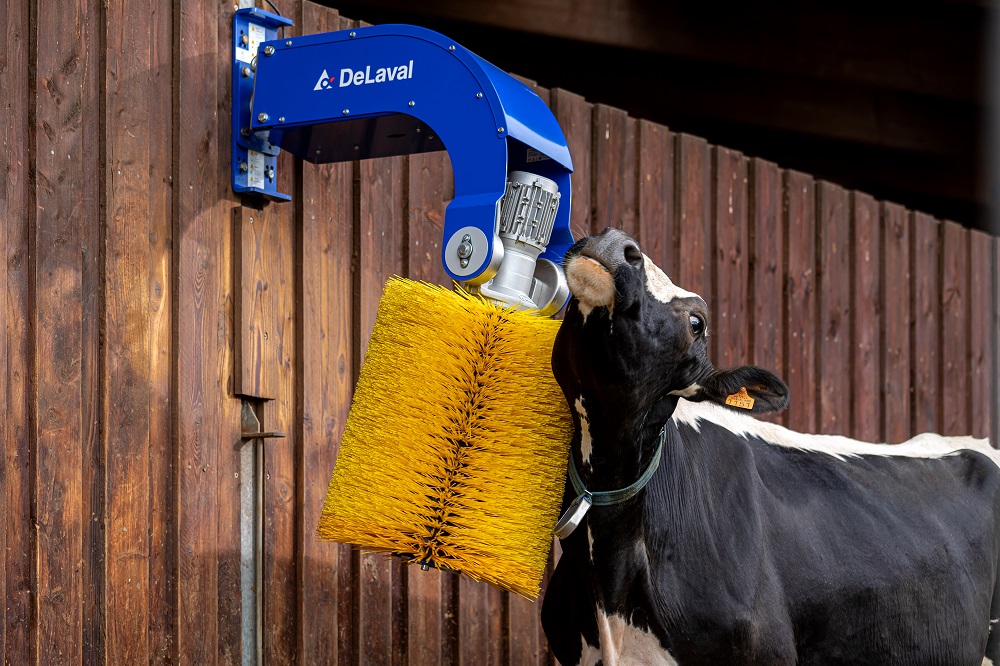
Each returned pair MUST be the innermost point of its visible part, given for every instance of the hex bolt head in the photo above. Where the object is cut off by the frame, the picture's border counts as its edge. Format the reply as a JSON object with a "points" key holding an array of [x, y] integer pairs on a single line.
{"points": [[245, 72], [243, 167], [269, 172], [262, 117], [268, 50]]}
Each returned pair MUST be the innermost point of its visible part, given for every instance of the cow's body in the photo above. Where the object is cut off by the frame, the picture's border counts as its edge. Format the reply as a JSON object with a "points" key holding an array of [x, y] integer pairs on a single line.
{"points": [[752, 544]]}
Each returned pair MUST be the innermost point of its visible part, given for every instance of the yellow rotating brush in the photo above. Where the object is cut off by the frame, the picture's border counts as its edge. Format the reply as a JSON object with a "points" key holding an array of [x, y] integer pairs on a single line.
{"points": [[454, 453]]}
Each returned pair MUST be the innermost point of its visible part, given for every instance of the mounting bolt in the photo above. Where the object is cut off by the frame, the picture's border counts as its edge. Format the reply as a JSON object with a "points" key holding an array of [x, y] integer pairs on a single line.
{"points": [[451, 48], [262, 117], [465, 250], [268, 50], [288, 43], [245, 71], [346, 111], [499, 130], [281, 119], [269, 172], [353, 34], [479, 95], [245, 132], [411, 103], [243, 167], [244, 39]]}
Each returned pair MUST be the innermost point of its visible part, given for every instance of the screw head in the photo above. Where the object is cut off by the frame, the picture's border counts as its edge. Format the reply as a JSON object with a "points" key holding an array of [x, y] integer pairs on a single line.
{"points": [[479, 95], [410, 103], [499, 130], [288, 43], [281, 119], [244, 39], [243, 167], [451, 48], [245, 131], [346, 111], [262, 117], [353, 34], [245, 72], [269, 172], [268, 50]]}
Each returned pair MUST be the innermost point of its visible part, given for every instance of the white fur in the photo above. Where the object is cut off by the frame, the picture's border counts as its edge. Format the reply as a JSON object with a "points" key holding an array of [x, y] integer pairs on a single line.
{"points": [[927, 445], [625, 645], [987, 661], [688, 392], [590, 542], [586, 443], [660, 286], [590, 655]]}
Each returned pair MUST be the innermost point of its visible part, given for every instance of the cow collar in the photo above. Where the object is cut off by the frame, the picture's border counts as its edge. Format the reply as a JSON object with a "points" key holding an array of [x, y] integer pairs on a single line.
{"points": [[586, 498]]}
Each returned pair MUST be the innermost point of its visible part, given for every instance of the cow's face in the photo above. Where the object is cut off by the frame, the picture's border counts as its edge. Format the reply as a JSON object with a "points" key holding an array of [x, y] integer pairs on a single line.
{"points": [[631, 335]]}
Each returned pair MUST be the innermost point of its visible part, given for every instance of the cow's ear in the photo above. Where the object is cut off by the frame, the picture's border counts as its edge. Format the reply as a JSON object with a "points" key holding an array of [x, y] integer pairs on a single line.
{"points": [[744, 388]]}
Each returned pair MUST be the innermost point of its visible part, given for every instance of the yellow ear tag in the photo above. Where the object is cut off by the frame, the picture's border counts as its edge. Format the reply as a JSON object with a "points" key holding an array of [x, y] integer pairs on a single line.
{"points": [[741, 399]]}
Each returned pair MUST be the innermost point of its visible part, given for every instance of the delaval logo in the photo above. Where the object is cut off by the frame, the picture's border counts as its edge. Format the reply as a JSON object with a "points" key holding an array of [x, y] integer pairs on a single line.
{"points": [[350, 77]]}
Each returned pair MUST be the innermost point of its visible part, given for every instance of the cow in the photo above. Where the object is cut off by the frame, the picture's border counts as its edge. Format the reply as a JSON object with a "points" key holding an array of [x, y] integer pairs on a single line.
{"points": [[714, 537]]}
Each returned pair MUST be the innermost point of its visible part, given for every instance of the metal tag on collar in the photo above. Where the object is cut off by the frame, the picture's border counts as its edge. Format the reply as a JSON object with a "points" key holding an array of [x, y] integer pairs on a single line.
{"points": [[573, 516]]}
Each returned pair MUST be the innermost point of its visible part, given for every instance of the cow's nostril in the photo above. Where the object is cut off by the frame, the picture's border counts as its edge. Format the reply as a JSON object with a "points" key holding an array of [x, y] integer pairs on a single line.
{"points": [[633, 256]]}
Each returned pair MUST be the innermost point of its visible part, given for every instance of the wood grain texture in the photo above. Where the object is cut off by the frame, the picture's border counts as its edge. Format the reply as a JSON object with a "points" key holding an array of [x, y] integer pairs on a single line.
{"points": [[126, 375], [18, 553], [575, 117], [866, 322], [655, 201], [766, 300], [730, 345], [613, 164], [255, 250], [896, 374], [834, 334], [925, 333], [955, 386], [801, 284], [67, 219], [981, 306], [326, 609], [694, 217], [382, 582]]}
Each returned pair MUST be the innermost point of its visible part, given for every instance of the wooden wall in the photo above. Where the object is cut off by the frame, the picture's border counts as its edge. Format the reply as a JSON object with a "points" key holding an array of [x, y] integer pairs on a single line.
{"points": [[140, 299]]}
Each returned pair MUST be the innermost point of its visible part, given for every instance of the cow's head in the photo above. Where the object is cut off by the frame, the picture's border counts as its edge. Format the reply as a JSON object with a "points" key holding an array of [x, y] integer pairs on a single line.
{"points": [[631, 337]]}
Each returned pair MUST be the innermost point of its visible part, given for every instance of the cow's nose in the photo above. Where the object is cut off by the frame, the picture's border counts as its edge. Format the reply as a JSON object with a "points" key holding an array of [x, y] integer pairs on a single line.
{"points": [[613, 248]]}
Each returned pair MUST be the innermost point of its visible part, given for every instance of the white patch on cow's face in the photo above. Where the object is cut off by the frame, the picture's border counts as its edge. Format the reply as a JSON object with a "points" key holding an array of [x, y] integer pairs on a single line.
{"points": [[591, 283], [590, 655], [987, 661], [586, 443], [659, 285], [624, 645], [926, 445]]}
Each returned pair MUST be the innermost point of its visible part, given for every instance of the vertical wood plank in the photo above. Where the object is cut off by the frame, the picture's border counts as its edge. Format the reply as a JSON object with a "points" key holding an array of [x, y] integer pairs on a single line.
{"points": [[382, 243], [126, 381], [255, 252], [834, 266], [766, 301], [925, 334], [18, 212], [800, 334], [896, 373], [326, 357], [432, 629], [693, 247], [613, 163], [730, 344], [67, 220], [162, 585], [981, 307], [955, 385], [655, 199], [866, 342], [575, 117]]}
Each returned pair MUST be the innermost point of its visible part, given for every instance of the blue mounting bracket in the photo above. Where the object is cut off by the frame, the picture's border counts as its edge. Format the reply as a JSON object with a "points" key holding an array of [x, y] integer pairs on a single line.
{"points": [[389, 90]]}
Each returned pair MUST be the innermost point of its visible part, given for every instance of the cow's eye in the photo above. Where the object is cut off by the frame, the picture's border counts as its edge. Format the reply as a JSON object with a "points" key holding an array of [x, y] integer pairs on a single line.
{"points": [[697, 325]]}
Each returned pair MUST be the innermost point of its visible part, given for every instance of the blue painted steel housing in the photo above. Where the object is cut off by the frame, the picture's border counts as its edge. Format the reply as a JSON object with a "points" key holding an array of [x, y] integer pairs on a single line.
{"points": [[390, 90]]}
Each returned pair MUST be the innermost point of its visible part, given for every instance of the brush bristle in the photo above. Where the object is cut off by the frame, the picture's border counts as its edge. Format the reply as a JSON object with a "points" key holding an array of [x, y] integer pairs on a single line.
{"points": [[454, 452]]}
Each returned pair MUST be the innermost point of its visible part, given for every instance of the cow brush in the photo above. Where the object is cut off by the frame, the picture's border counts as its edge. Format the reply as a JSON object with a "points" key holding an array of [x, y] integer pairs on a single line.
{"points": [[454, 452]]}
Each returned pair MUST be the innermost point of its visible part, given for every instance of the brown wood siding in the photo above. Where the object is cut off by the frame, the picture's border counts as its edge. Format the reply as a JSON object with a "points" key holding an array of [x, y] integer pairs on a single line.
{"points": [[135, 296]]}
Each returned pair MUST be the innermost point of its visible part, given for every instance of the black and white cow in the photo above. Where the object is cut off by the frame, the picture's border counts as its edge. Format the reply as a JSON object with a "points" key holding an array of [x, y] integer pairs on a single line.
{"points": [[750, 543]]}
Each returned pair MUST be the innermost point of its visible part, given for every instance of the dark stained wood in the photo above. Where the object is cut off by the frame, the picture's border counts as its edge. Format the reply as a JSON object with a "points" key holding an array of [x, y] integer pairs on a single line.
{"points": [[730, 344], [955, 385], [18, 553], [326, 611], [981, 306], [896, 375], [834, 333], [67, 198], [127, 378], [694, 217], [925, 336], [432, 629], [613, 164], [995, 334], [575, 117], [655, 182], [162, 588], [382, 244], [866, 322], [766, 298], [474, 640], [801, 334], [255, 246], [498, 648]]}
